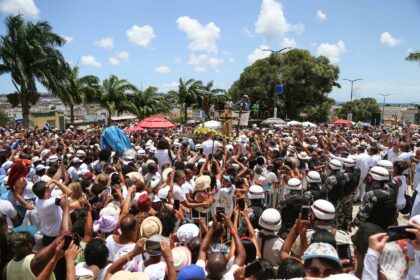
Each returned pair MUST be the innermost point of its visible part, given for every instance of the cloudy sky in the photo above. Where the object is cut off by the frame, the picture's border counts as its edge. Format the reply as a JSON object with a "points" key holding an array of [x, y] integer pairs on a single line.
{"points": [[157, 42]]}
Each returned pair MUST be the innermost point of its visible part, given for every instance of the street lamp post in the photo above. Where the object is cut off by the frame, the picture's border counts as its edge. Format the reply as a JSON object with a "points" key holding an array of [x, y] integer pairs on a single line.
{"points": [[383, 105], [275, 95], [351, 95]]}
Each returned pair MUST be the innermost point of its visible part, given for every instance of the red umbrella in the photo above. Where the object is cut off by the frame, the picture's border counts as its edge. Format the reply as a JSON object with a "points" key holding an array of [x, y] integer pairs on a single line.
{"points": [[345, 122], [134, 128], [155, 122]]}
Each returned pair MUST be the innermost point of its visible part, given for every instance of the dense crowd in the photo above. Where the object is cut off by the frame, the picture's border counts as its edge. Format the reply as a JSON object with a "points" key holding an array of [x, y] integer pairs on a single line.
{"points": [[270, 203]]}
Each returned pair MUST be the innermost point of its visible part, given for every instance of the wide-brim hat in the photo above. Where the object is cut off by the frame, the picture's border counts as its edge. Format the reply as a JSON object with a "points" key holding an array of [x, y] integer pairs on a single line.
{"points": [[135, 176], [181, 256], [165, 173], [150, 226], [102, 179], [202, 183]]}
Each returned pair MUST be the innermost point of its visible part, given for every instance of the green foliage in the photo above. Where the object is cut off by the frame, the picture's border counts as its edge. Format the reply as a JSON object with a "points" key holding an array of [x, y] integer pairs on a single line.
{"points": [[362, 109], [320, 113], [29, 53], [4, 119], [186, 95], [145, 103], [413, 56], [307, 82]]}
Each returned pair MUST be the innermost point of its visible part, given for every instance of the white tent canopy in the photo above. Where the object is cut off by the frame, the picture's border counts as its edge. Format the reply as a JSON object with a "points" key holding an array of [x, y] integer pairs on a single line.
{"points": [[306, 124], [294, 123], [213, 124]]}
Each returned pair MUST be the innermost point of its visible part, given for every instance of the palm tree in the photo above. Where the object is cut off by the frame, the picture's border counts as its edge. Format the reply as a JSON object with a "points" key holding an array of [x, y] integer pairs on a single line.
{"points": [[113, 92], [209, 95], [186, 95], [413, 56], [29, 53], [145, 103], [78, 90]]}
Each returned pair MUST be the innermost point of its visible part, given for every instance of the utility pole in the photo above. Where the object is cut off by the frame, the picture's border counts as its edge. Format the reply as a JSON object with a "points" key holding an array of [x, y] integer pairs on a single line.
{"points": [[383, 106], [275, 94], [349, 115]]}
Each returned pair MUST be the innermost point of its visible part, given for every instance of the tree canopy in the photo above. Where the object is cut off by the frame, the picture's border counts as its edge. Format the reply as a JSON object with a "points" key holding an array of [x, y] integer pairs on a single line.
{"points": [[362, 109], [307, 81]]}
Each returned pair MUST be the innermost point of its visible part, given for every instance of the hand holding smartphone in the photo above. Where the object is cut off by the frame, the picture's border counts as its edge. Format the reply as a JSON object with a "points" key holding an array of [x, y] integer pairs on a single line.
{"points": [[219, 211], [305, 212], [399, 232]]}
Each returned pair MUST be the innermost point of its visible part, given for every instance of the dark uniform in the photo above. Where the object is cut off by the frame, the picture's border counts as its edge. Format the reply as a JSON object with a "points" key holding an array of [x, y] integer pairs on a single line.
{"points": [[378, 207], [290, 207], [345, 205], [334, 185], [315, 191]]}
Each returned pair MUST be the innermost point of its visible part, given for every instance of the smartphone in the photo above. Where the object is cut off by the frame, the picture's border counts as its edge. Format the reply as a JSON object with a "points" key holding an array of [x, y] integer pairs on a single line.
{"points": [[57, 201], [253, 268], [200, 151], [241, 204], [67, 241], [177, 205], [344, 253], [210, 156], [113, 190], [305, 212], [399, 232], [219, 211], [152, 246]]}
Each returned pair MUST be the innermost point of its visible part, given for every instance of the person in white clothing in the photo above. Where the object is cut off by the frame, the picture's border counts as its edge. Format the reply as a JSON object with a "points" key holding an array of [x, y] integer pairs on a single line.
{"points": [[7, 210], [163, 153], [401, 181], [362, 161]]}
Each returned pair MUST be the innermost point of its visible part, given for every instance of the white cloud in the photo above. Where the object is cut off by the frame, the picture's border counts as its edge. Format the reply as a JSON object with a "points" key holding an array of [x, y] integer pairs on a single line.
{"points": [[200, 69], [168, 86], [178, 60], [332, 51], [68, 39], [259, 53], [90, 61], [25, 7], [410, 50], [272, 23], [202, 37], [123, 55], [321, 15], [247, 32], [162, 69], [389, 41], [106, 43], [231, 60], [288, 43], [205, 60], [140, 35], [114, 61]]}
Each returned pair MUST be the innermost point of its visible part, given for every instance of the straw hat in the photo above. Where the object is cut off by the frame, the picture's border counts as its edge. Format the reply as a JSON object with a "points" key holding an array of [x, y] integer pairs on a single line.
{"points": [[150, 226], [165, 173], [102, 179], [202, 183]]}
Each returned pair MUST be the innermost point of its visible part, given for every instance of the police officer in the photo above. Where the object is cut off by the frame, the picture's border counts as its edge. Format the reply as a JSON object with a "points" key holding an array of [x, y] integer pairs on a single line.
{"points": [[314, 189], [268, 240], [256, 198], [378, 206], [335, 182], [290, 206], [345, 205]]}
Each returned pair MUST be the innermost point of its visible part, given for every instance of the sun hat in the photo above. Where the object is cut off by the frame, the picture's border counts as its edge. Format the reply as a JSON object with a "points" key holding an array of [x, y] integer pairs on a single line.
{"points": [[190, 272], [110, 210], [156, 271], [35, 159], [163, 192], [150, 226], [303, 156], [80, 153], [127, 275], [76, 160], [321, 250], [40, 167], [152, 149], [102, 179], [135, 176], [106, 223], [202, 183], [181, 256], [323, 210], [165, 173], [187, 232]]}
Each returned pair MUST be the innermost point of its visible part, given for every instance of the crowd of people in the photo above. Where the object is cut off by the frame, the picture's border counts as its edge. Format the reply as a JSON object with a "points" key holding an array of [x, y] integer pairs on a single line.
{"points": [[271, 203]]}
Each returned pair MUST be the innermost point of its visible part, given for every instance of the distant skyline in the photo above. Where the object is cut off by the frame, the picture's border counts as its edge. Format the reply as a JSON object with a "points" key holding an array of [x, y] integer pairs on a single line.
{"points": [[154, 43]]}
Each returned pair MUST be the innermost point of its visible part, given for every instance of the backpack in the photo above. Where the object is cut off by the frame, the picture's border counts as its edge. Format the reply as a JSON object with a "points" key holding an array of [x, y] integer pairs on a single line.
{"points": [[383, 212]]}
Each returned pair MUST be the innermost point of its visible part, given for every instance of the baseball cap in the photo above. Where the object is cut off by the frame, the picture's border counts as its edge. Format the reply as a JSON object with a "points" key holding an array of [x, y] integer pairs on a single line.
{"points": [[190, 272]]}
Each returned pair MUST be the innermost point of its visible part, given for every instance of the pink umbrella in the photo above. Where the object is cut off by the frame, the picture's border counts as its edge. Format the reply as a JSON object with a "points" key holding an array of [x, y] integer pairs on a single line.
{"points": [[155, 123], [344, 122]]}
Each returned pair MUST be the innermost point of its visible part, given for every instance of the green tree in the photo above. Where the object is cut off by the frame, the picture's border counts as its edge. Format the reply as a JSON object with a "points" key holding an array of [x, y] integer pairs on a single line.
{"points": [[320, 114], [4, 119], [186, 95], [307, 81], [413, 56], [209, 95], [112, 93], [79, 90], [362, 109], [145, 103], [29, 53]]}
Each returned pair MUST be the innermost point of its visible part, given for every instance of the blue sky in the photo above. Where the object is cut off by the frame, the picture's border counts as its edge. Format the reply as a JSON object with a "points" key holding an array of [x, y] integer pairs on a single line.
{"points": [[157, 42]]}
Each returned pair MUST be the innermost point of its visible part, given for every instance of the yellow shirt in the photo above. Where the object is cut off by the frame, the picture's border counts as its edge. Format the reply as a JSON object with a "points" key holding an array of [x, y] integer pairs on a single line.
{"points": [[21, 270]]}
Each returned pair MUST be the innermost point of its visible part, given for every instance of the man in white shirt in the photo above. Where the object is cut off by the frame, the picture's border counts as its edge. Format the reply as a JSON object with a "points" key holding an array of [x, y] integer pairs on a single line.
{"points": [[210, 146], [49, 210], [7, 210], [362, 161]]}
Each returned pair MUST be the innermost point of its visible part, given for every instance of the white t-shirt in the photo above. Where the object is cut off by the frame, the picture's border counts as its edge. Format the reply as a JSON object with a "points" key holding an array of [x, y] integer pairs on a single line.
{"points": [[73, 173], [7, 209], [178, 193], [50, 216], [163, 157], [227, 276], [187, 187], [114, 247], [210, 146]]}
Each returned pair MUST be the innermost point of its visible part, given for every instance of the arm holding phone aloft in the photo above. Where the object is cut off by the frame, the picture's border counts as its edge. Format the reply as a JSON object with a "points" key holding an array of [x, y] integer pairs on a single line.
{"points": [[88, 232], [371, 263], [202, 255], [251, 232], [49, 268]]}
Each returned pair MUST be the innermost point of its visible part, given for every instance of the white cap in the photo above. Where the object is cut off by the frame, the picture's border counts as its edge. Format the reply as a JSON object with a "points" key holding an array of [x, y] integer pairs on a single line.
{"points": [[40, 167], [335, 164], [313, 177], [349, 162], [386, 164], [76, 160], [379, 173], [243, 138], [198, 146], [255, 192], [303, 156], [53, 158], [141, 152], [80, 153], [270, 219], [294, 184], [163, 192], [323, 210], [35, 159], [152, 149]]}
